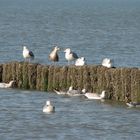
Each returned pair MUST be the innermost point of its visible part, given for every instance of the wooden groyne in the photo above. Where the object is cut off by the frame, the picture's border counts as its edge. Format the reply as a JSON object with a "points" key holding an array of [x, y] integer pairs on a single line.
{"points": [[120, 83]]}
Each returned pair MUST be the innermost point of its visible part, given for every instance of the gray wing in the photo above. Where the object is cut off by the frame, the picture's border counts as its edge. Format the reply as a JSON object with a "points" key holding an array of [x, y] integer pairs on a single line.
{"points": [[31, 54], [56, 58], [136, 103], [73, 92], [74, 55]]}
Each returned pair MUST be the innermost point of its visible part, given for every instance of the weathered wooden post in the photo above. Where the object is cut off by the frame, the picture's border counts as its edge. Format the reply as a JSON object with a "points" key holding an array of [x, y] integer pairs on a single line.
{"points": [[1, 71], [7, 72], [42, 78], [19, 78], [56, 78], [93, 78], [101, 82], [63, 77], [32, 75], [86, 78], [25, 78], [79, 78], [120, 83], [135, 85], [50, 77], [126, 83]]}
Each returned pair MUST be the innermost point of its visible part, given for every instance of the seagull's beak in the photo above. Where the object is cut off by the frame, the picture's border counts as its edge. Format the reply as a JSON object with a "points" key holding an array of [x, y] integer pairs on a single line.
{"points": [[58, 49], [64, 50]]}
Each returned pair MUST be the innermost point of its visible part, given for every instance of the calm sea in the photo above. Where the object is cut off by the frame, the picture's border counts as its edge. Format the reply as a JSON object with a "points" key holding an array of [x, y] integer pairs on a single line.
{"points": [[76, 118], [94, 29]]}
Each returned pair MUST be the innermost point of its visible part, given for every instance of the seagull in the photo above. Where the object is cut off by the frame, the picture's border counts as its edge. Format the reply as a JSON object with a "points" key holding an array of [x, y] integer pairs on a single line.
{"points": [[69, 55], [107, 62], [73, 92], [48, 108], [95, 95], [27, 54], [80, 61], [53, 55], [133, 104], [7, 85]]}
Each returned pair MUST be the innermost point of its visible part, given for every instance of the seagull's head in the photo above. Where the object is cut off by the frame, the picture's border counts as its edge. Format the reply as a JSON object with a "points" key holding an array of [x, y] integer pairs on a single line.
{"points": [[83, 58], [103, 94], [84, 90], [48, 102], [67, 50], [11, 82], [107, 60], [56, 48], [70, 88], [24, 48]]}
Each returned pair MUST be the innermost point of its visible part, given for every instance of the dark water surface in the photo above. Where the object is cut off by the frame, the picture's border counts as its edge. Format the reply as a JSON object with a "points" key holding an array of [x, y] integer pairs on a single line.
{"points": [[21, 118]]}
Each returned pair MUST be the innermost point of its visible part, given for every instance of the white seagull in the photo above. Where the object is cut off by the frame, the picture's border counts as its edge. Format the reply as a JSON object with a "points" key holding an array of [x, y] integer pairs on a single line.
{"points": [[53, 55], [80, 61], [73, 92], [133, 104], [69, 55], [27, 54], [48, 108], [107, 62], [7, 85], [95, 95]]}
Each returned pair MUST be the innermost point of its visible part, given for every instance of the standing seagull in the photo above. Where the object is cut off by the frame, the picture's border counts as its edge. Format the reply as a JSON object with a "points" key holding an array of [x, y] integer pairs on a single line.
{"points": [[69, 55], [80, 61], [27, 54], [107, 62], [53, 55]]}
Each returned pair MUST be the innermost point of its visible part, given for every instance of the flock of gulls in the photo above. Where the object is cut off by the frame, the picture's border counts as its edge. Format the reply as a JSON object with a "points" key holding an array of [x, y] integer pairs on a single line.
{"points": [[49, 108], [69, 56], [79, 61]]}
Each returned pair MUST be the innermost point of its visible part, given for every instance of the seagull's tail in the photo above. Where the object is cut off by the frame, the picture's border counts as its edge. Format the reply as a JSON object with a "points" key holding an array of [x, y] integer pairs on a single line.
{"points": [[56, 91], [129, 105]]}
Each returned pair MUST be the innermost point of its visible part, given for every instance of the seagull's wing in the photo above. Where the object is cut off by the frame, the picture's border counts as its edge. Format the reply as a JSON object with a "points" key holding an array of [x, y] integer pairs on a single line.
{"points": [[130, 104], [60, 92], [2, 85], [74, 55], [31, 54], [74, 92], [136, 103], [56, 57]]}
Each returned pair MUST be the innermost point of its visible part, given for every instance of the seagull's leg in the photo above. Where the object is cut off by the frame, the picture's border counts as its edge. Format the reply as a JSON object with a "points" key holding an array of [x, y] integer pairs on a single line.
{"points": [[25, 60], [68, 62], [53, 63], [73, 62]]}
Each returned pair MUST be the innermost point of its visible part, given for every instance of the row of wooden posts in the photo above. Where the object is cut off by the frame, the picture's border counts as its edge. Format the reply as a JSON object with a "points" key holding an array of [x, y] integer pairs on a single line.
{"points": [[120, 83]]}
